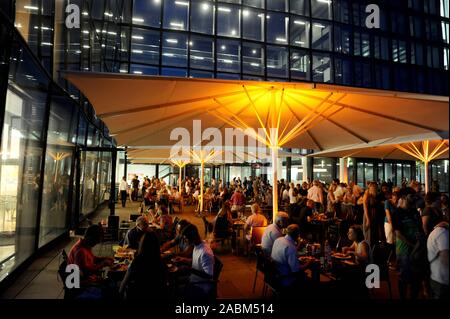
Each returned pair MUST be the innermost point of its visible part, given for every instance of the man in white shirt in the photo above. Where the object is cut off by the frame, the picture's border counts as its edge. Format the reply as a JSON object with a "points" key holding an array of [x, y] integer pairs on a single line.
{"points": [[315, 193], [284, 254], [202, 265], [273, 232], [437, 247], [123, 189]]}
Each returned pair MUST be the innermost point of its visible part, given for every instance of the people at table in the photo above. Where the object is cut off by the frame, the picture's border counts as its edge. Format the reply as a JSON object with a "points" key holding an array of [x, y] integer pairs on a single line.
{"points": [[184, 248], [81, 255], [284, 254], [202, 265], [360, 248], [273, 232], [238, 201], [304, 218], [146, 277], [164, 221], [134, 235]]}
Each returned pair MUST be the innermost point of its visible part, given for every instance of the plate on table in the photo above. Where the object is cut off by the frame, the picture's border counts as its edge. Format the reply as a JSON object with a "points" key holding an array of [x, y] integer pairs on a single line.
{"points": [[341, 256]]}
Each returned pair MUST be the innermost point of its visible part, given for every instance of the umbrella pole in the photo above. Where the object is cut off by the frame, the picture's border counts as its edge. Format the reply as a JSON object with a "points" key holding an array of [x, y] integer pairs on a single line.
{"points": [[202, 178], [426, 176], [179, 180], [274, 152]]}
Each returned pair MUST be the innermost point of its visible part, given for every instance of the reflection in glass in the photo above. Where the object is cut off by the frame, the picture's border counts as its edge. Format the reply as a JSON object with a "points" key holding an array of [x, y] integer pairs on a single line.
{"points": [[176, 14], [253, 24], [228, 21], [300, 32], [202, 16], [279, 5], [277, 61], [321, 9], [146, 13], [228, 55], [201, 52], [321, 68], [145, 46], [300, 7], [174, 49], [277, 28], [321, 36], [253, 58], [300, 65]]}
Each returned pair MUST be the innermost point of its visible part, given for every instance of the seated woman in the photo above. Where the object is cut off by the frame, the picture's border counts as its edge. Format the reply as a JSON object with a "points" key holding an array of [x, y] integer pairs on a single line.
{"points": [[164, 221], [360, 247], [146, 278], [223, 224]]}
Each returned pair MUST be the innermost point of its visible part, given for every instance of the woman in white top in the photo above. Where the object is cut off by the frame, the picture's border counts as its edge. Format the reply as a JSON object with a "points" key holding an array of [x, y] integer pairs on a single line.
{"points": [[360, 247]]}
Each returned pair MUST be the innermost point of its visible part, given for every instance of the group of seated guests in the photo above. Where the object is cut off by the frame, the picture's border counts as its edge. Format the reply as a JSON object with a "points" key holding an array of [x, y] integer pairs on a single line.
{"points": [[147, 275], [281, 242]]}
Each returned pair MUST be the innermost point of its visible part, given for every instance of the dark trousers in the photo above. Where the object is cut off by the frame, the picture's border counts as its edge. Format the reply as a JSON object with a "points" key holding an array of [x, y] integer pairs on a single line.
{"points": [[123, 197], [438, 291]]}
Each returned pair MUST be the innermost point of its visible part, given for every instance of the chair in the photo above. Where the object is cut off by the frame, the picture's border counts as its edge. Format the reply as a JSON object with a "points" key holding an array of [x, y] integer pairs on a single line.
{"points": [[208, 226], [256, 237], [260, 265], [218, 266]]}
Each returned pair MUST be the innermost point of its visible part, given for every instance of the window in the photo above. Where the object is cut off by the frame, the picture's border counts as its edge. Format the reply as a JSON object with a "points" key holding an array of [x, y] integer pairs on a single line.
{"points": [[343, 71], [300, 32], [401, 78], [277, 61], [279, 5], [445, 32], [253, 24], [174, 72], [253, 58], [277, 28], [145, 46], [174, 49], [321, 68], [300, 65], [146, 13], [361, 45], [432, 30], [321, 9], [342, 36], [398, 23], [321, 36], [322, 169], [228, 21], [362, 70], [443, 8], [417, 56], [202, 16], [201, 74], [381, 48], [228, 55], [382, 76], [433, 56], [399, 51], [341, 11], [176, 14], [201, 52], [300, 7], [415, 27], [144, 69]]}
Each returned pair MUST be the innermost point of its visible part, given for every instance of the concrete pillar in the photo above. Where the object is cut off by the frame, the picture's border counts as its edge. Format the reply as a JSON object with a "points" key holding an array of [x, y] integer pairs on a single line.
{"points": [[343, 170], [305, 169]]}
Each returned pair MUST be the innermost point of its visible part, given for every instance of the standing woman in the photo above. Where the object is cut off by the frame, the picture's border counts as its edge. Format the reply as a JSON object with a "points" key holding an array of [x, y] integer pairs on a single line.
{"points": [[370, 211], [331, 200], [390, 207]]}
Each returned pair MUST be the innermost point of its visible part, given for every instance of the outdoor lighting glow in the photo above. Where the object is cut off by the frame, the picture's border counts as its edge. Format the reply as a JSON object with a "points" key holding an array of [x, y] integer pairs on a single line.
{"points": [[280, 39], [140, 20], [254, 51], [137, 72], [156, 1], [205, 6], [137, 51], [233, 32], [177, 24], [31, 7], [223, 47], [223, 9], [191, 43], [299, 22], [172, 40], [137, 37], [245, 13], [182, 3], [319, 25]]}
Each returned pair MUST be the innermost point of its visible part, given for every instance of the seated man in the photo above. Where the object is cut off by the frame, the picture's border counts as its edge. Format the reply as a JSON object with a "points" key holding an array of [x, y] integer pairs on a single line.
{"points": [[184, 249], [82, 256], [303, 220], [284, 254], [134, 235], [273, 232], [199, 284]]}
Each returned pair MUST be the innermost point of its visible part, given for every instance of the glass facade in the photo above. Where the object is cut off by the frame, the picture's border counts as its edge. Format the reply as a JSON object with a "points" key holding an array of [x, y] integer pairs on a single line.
{"points": [[43, 129]]}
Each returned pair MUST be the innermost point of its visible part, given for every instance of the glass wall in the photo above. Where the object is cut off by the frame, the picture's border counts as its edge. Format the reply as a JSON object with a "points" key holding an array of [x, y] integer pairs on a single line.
{"points": [[322, 169]]}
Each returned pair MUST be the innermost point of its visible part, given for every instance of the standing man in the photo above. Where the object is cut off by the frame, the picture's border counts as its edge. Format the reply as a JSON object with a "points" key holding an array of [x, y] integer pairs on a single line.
{"points": [[123, 187], [135, 184], [315, 193], [437, 247]]}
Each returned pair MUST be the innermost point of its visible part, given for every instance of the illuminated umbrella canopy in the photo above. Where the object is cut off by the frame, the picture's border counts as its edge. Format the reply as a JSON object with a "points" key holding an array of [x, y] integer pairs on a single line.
{"points": [[403, 148], [153, 110]]}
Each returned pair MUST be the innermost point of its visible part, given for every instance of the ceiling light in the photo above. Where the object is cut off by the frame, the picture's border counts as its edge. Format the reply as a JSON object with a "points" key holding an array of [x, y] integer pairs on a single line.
{"points": [[182, 3], [31, 7], [137, 37], [172, 40], [140, 20], [223, 9]]}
